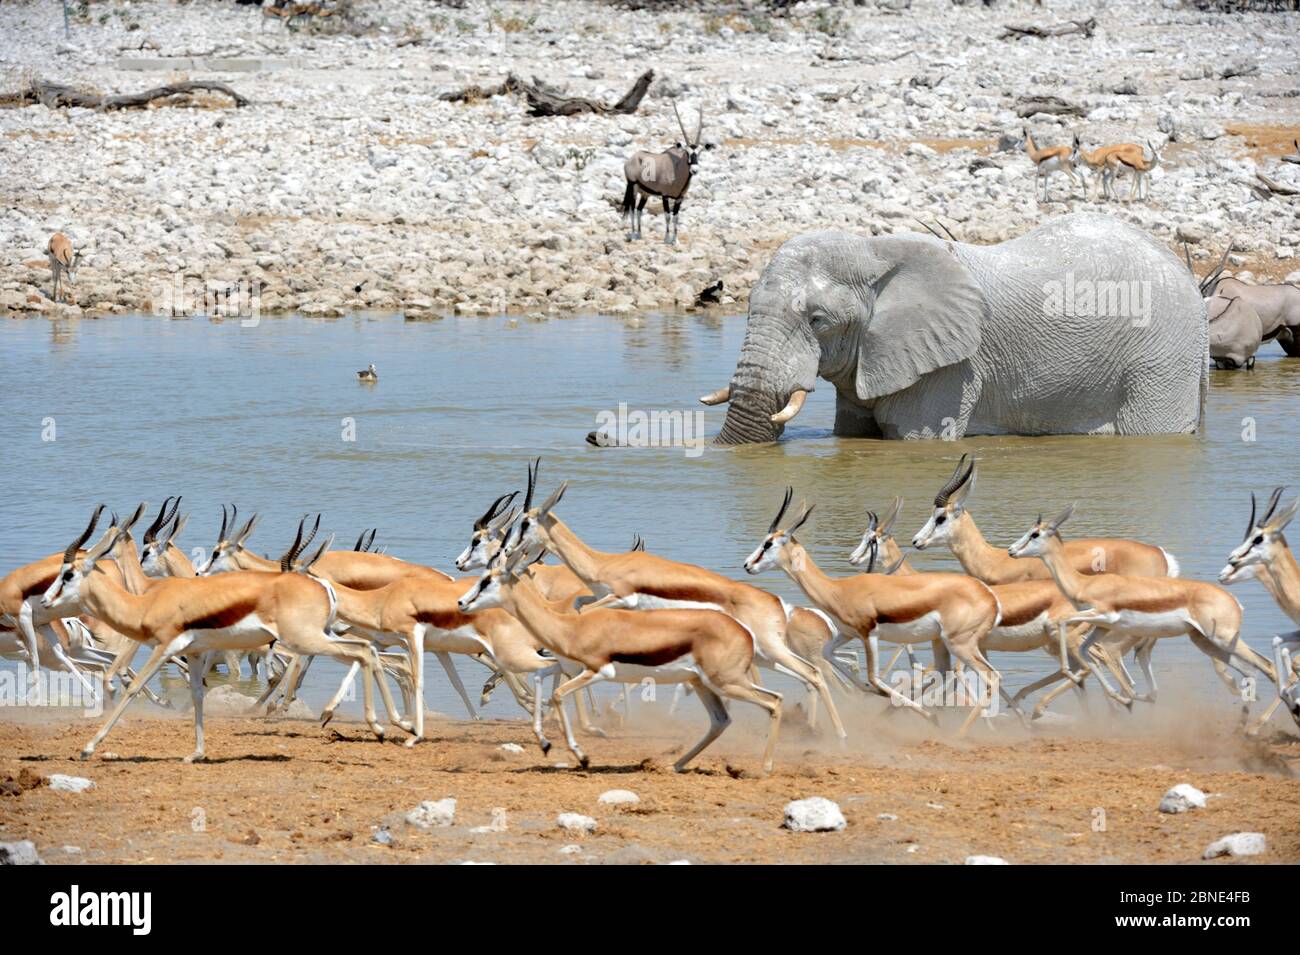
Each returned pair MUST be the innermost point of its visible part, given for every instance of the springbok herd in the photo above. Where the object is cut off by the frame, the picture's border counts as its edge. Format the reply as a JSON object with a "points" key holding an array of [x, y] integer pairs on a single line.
{"points": [[636, 616]]}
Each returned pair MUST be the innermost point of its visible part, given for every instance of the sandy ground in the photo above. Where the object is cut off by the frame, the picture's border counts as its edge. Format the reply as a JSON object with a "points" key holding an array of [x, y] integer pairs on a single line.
{"points": [[292, 792]]}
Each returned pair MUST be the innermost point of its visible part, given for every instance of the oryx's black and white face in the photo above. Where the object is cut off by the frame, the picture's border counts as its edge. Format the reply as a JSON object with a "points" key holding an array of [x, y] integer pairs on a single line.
{"points": [[1034, 541], [949, 504], [768, 554], [1264, 541]]}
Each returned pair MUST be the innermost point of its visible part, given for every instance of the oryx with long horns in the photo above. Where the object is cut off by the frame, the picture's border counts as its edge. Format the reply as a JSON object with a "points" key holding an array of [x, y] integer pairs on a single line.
{"points": [[666, 175]]}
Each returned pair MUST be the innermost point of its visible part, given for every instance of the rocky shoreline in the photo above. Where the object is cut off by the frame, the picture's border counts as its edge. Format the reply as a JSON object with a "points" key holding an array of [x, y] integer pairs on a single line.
{"points": [[348, 184]]}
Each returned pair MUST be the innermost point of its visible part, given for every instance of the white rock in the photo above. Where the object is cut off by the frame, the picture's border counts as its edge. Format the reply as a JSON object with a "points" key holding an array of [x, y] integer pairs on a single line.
{"points": [[19, 853], [887, 817], [575, 822], [429, 815], [1182, 798], [1237, 844], [985, 860], [512, 747], [69, 784], [570, 850], [679, 862], [816, 814], [618, 797]]}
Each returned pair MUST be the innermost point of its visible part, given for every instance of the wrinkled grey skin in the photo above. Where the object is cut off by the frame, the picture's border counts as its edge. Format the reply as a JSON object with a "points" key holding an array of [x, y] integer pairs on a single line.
{"points": [[1235, 332], [923, 338], [1278, 307]]}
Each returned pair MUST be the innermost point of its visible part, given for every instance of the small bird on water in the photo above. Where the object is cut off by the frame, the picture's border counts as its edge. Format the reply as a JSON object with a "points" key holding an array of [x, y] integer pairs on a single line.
{"points": [[368, 374]]}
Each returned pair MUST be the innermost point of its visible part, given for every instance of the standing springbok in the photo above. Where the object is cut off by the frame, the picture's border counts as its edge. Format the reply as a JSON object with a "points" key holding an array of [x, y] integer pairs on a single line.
{"points": [[62, 259], [1048, 161], [1141, 167], [666, 174]]}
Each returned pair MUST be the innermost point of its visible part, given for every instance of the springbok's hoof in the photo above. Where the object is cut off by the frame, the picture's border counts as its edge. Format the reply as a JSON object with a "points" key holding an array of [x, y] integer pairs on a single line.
{"points": [[584, 761], [546, 747], [86, 754], [194, 758]]}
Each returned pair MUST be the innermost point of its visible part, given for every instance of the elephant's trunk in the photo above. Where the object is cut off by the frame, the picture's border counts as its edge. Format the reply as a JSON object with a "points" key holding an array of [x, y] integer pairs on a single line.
{"points": [[749, 416]]}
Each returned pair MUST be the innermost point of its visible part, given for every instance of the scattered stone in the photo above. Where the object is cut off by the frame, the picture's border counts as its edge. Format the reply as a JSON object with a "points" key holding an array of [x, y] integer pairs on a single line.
{"points": [[679, 862], [570, 850], [511, 747], [431, 815], [618, 797], [887, 817], [19, 853], [986, 860], [816, 814], [72, 850], [1182, 798], [575, 822], [382, 836], [1237, 844], [69, 784]]}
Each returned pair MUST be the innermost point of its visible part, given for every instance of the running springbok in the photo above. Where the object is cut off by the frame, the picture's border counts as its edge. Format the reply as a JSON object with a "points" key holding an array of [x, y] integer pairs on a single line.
{"points": [[1129, 611], [1030, 612], [666, 175], [196, 616], [639, 580], [1048, 161], [1265, 552], [62, 260], [953, 608], [710, 651]]}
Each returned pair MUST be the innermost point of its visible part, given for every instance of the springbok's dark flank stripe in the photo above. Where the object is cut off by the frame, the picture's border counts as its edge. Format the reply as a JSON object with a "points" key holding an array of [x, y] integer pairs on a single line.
{"points": [[42, 585], [1027, 612], [225, 617], [442, 619], [653, 657]]}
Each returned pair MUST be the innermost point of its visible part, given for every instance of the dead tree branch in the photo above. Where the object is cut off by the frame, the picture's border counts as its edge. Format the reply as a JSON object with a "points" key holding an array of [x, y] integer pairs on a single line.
{"points": [[547, 102], [55, 95], [1017, 31]]}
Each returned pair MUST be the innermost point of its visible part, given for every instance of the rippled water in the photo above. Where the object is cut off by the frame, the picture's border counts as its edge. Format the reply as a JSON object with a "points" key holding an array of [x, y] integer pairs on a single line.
{"points": [[145, 407]]}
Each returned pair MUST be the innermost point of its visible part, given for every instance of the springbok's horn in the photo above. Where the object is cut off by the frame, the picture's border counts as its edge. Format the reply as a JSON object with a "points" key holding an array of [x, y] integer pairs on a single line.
{"points": [[163, 517], [893, 516], [1250, 524], [776, 521], [494, 509], [70, 554], [954, 482], [286, 560]]}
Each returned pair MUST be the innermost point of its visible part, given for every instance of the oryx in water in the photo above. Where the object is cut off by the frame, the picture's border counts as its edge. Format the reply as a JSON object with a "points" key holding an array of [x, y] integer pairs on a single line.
{"points": [[666, 174]]}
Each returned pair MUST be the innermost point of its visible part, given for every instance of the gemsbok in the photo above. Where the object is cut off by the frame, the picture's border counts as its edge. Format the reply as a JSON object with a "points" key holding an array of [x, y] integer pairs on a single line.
{"points": [[63, 261], [916, 608], [666, 175], [709, 650]]}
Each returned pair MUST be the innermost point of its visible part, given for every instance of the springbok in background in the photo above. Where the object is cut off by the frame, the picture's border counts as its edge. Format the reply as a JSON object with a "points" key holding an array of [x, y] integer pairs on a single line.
{"points": [[666, 174], [1141, 167], [1048, 161], [1097, 163], [62, 259]]}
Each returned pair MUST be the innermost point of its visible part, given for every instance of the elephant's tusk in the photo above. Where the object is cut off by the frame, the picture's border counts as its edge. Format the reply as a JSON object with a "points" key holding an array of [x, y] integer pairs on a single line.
{"points": [[717, 397], [792, 407]]}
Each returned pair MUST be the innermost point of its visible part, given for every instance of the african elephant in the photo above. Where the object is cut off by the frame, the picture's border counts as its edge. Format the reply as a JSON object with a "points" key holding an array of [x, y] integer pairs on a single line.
{"points": [[1084, 325], [1235, 332]]}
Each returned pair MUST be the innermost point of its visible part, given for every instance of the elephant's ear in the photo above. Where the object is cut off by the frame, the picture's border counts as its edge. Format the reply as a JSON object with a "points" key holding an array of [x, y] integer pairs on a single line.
{"points": [[927, 313]]}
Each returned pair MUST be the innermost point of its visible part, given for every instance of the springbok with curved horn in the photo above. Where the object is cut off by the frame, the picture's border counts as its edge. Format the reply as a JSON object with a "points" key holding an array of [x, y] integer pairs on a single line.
{"points": [[1050, 160], [709, 650], [640, 580], [1141, 166], [916, 608], [666, 175], [487, 530], [195, 616], [1265, 552], [1127, 612]]}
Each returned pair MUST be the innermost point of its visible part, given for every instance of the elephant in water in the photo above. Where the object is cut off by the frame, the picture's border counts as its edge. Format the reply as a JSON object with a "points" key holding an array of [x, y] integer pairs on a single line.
{"points": [[1086, 325]]}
